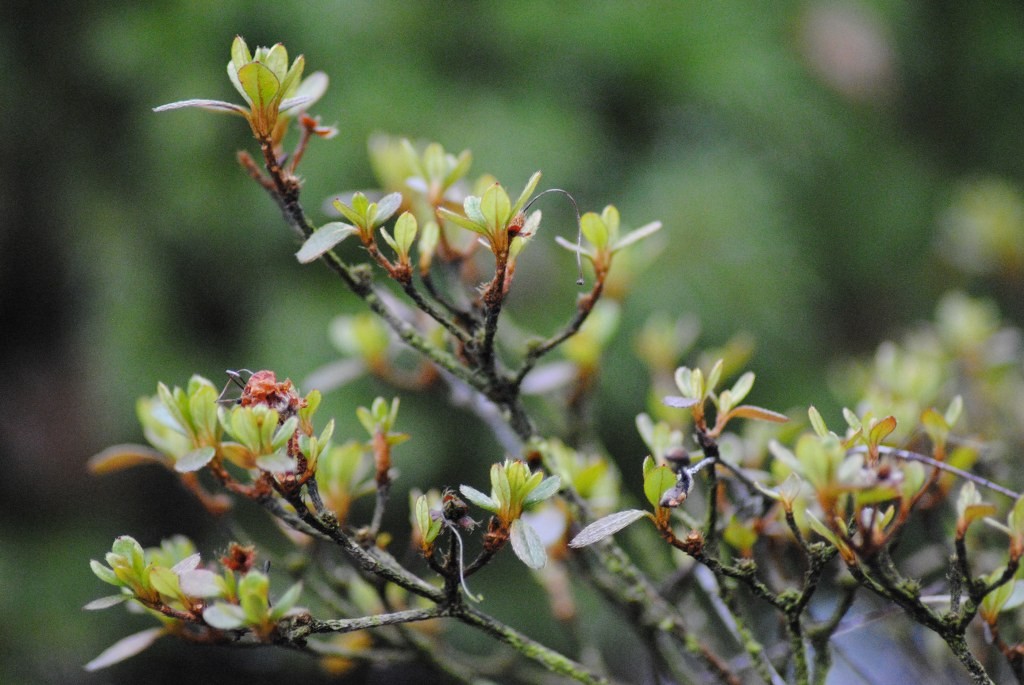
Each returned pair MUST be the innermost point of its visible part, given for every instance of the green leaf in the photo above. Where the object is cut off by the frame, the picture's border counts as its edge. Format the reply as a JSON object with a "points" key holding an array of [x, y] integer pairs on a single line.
{"points": [[637, 235], [996, 599], [323, 239], [817, 423], [1015, 519], [387, 206], [253, 591], [310, 90], [405, 233], [677, 402], [956, 408], [603, 527], [259, 83], [548, 487], [277, 60], [223, 616], [914, 477], [286, 602], [501, 489], [478, 498], [471, 205], [165, 581], [194, 460], [358, 218], [527, 544], [202, 583], [881, 430], [119, 457], [495, 207], [821, 529], [656, 482], [595, 230], [714, 375], [240, 55], [459, 170], [209, 105], [104, 573], [125, 648], [245, 428], [105, 602], [278, 461], [284, 433], [291, 79], [531, 186], [749, 411], [741, 388], [462, 221]]}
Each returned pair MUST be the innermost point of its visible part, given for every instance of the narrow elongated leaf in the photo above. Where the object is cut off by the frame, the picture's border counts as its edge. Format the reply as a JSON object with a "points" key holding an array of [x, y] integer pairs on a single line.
{"points": [[298, 103], [194, 460], [527, 544], [104, 573], [741, 388], [210, 105], [322, 240], [124, 649], [531, 186], [120, 457], [240, 54], [573, 247], [389, 240], [637, 235], [548, 487], [603, 527], [387, 206], [678, 402], [462, 221], [749, 411], [817, 423], [105, 602], [478, 498], [287, 601]]}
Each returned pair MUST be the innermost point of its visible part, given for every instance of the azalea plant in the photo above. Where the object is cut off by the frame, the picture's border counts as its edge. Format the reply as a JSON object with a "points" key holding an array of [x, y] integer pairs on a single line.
{"points": [[764, 532]]}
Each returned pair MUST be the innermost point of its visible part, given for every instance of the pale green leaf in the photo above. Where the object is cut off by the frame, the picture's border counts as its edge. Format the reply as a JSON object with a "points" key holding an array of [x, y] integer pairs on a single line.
{"points": [[105, 602], [531, 186], [548, 487], [603, 527], [194, 459], [637, 235], [223, 616], [125, 648], [478, 498], [209, 105], [386, 208], [323, 239], [527, 544], [259, 83]]}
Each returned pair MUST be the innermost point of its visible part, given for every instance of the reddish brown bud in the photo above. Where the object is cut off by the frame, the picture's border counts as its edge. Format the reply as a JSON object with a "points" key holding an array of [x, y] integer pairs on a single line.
{"points": [[239, 557], [263, 388]]}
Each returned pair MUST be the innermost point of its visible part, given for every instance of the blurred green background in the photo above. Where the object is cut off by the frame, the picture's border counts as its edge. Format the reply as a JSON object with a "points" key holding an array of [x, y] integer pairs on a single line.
{"points": [[824, 172]]}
